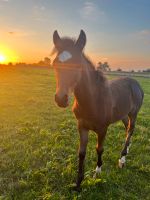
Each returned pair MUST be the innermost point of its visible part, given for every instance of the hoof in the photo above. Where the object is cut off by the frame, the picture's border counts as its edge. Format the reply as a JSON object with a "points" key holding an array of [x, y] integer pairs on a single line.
{"points": [[121, 164], [95, 175], [74, 188], [122, 161], [97, 172]]}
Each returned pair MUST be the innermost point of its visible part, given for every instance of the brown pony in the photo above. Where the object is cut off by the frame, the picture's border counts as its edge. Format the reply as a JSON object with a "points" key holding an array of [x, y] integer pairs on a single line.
{"points": [[98, 101]]}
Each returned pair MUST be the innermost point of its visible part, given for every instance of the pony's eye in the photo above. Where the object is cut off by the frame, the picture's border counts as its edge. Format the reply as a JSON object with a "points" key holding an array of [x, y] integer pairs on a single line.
{"points": [[64, 56]]}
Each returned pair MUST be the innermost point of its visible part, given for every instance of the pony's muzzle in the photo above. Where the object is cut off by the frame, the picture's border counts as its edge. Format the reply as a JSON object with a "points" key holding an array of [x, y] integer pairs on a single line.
{"points": [[62, 101]]}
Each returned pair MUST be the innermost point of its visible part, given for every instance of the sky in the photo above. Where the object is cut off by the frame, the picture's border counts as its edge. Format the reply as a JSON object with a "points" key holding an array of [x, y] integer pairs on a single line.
{"points": [[118, 31]]}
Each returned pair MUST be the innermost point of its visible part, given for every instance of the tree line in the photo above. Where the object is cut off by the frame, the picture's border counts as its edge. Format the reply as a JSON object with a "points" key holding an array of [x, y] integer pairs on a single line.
{"points": [[46, 62]]}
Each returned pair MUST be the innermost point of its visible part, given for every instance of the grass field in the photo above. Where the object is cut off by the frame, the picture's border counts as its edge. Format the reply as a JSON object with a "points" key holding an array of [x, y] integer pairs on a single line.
{"points": [[39, 142]]}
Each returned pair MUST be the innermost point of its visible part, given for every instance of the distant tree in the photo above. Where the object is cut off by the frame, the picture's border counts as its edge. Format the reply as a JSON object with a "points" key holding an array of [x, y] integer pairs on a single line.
{"points": [[47, 61], [21, 64], [10, 64], [146, 70], [106, 66], [100, 65], [103, 66], [119, 70], [41, 63]]}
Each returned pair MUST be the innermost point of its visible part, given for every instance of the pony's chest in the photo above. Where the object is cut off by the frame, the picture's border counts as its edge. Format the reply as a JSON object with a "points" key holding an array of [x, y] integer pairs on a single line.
{"points": [[89, 120], [82, 113]]}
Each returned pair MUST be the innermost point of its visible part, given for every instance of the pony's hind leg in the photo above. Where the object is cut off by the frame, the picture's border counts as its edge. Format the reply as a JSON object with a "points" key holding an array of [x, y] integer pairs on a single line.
{"points": [[129, 125], [126, 122]]}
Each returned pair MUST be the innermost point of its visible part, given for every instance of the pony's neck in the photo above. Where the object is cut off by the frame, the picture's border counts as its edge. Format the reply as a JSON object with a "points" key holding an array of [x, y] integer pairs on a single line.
{"points": [[88, 68], [90, 76], [89, 84]]}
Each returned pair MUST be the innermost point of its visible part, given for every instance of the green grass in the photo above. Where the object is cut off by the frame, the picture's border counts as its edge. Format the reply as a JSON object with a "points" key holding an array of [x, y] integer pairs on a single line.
{"points": [[39, 142]]}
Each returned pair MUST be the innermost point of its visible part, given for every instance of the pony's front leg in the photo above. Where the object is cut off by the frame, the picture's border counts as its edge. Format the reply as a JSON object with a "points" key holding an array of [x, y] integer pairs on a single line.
{"points": [[82, 152], [99, 149]]}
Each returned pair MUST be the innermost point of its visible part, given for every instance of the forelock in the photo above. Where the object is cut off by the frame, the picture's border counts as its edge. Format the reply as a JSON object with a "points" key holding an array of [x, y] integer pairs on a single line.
{"points": [[67, 42]]}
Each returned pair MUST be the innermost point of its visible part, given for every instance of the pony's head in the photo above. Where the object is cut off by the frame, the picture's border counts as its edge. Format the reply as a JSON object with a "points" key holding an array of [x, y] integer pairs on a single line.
{"points": [[67, 65]]}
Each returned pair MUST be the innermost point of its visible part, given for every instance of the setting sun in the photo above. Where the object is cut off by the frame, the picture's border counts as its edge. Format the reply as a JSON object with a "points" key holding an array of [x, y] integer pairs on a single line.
{"points": [[2, 58], [7, 55]]}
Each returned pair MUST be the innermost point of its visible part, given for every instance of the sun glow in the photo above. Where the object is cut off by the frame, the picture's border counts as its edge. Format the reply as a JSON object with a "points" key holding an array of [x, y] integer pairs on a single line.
{"points": [[2, 58], [7, 55]]}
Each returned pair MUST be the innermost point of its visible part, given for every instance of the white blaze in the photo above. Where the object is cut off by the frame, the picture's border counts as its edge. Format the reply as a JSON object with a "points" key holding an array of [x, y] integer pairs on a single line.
{"points": [[64, 56]]}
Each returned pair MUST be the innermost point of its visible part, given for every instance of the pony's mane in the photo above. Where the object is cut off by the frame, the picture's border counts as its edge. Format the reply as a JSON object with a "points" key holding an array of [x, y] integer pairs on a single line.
{"points": [[98, 74], [89, 61]]}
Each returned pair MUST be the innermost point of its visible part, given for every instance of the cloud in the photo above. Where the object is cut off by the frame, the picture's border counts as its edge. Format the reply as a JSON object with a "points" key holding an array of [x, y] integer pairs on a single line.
{"points": [[39, 13], [140, 37], [2, 3], [90, 11], [11, 32], [141, 34], [144, 33], [38, 9]]}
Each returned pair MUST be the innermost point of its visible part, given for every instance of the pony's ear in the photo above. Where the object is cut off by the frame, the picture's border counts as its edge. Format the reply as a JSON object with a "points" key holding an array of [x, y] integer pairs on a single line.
{"points": [[81, 41], [56, 40]]}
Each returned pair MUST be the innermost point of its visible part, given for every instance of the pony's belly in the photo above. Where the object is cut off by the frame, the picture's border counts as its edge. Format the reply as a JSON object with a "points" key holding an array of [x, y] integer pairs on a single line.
{"points": [[119, 114]]}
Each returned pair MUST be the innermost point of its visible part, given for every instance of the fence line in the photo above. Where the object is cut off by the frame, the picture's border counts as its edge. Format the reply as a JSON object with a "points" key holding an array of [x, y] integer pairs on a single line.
{"points": [[135, 74]]}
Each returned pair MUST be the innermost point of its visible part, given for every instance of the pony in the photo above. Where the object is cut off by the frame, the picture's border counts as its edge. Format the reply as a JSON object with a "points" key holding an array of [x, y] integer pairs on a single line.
{"points": [[98, 102]]}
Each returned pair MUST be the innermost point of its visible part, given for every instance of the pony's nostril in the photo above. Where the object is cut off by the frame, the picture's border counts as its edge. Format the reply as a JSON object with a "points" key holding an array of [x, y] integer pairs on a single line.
{"points": [[66, 97], [62, 102]]}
